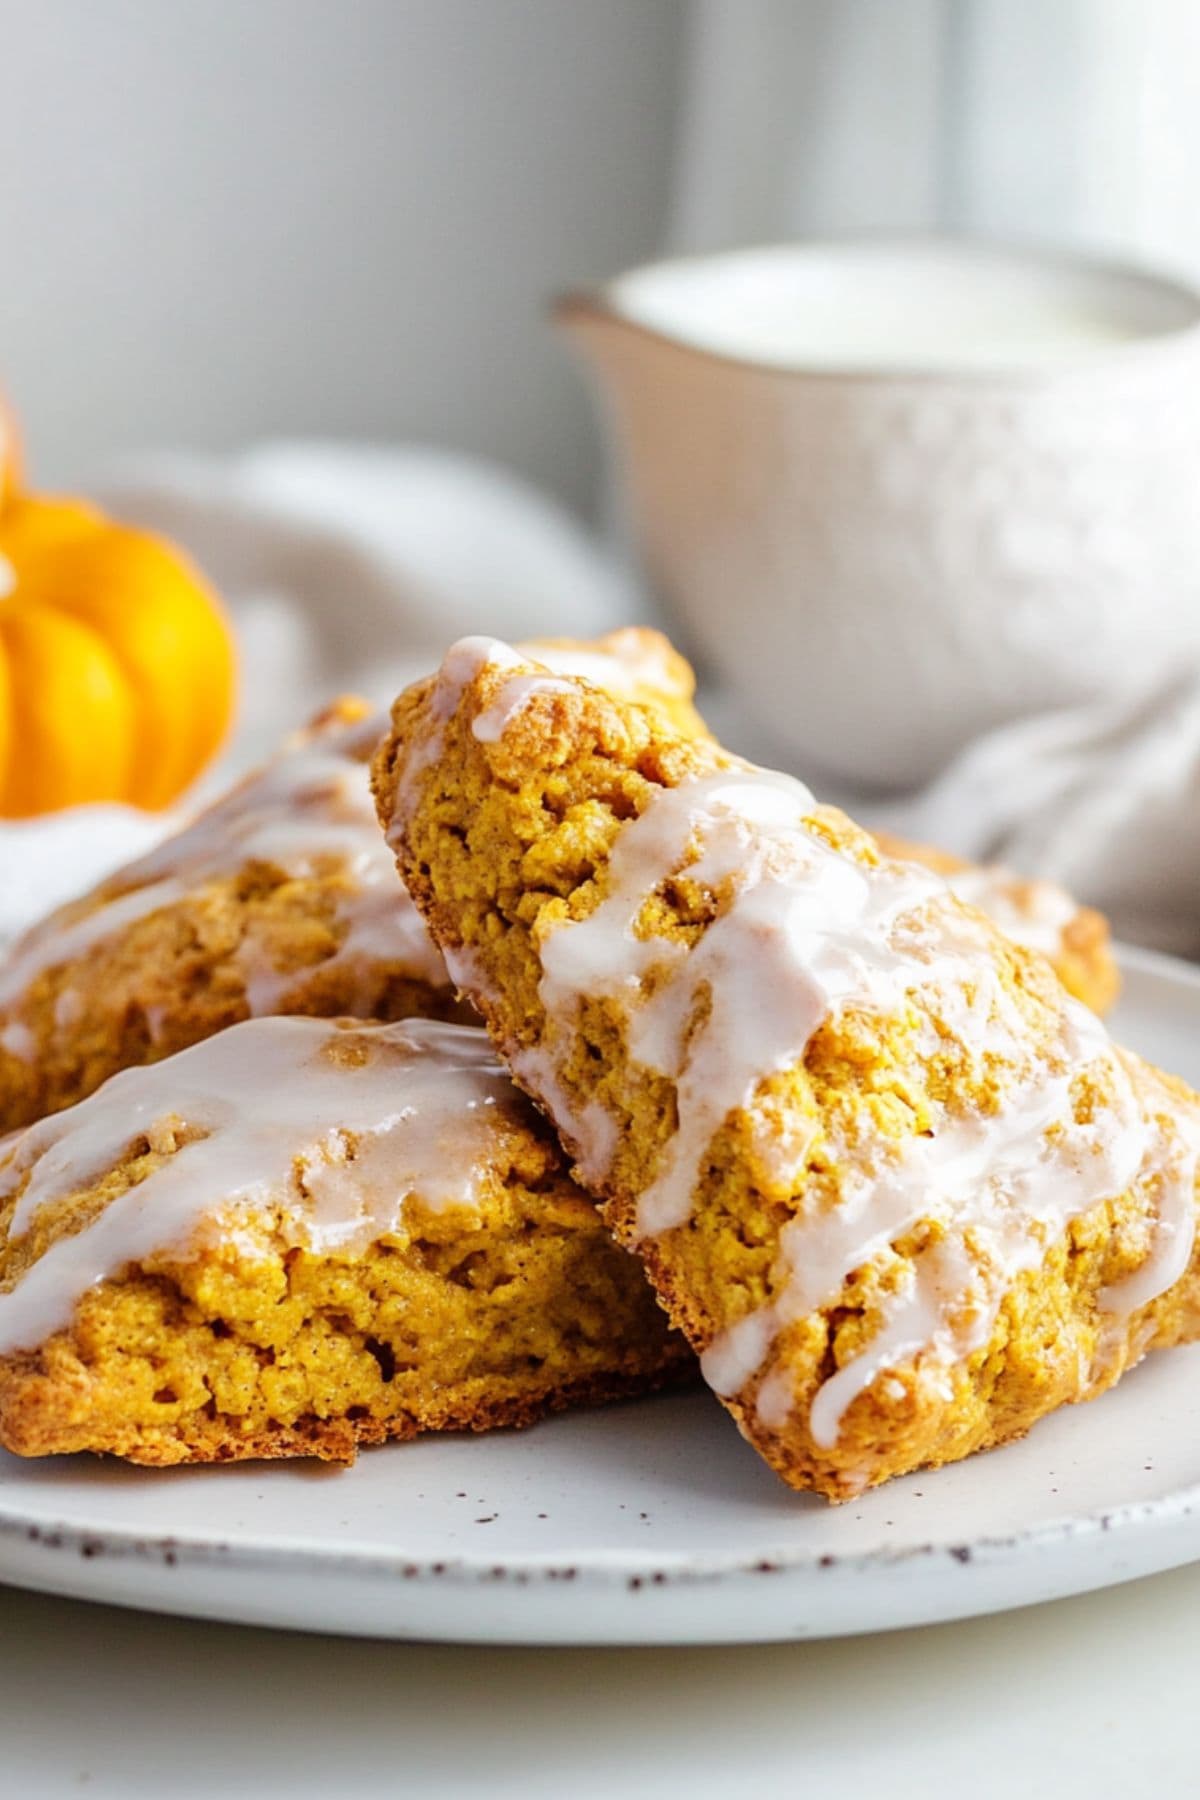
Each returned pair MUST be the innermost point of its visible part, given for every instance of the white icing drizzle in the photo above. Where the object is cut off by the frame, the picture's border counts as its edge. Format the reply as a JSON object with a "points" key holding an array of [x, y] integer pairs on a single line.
{"points": [[632, 664], [1173, 1169], [462, 663], [512, 698], [1032, 913], [332, 1127], [1004, 1188], [799, 932], [308, 812], [593, 1135], [628, 663], [68, 1009], [18, 1040]]}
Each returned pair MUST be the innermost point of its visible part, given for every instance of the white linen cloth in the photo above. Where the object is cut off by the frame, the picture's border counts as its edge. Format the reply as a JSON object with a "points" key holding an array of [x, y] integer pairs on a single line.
{"points": [[1104, 799], [351, 570]]}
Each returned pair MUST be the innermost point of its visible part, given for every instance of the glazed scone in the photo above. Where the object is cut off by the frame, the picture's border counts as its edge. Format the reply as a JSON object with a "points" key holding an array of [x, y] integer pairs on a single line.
{"points": [[281, 898], [641, 665], [303, 1236], [897, 1187], [1038, 914], [275, 900], [644, 666]]}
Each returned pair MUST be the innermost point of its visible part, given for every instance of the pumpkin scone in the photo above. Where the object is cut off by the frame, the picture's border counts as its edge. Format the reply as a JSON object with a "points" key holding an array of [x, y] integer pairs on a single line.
{"points": [[281, 898], [1038, 914], [898, 1188], [299, 1237], [278, 899]]}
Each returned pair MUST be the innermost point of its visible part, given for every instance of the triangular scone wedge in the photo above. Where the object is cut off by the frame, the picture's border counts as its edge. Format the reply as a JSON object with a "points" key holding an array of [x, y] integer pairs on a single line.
{"points": [[897, 1187], [300, 1237]]}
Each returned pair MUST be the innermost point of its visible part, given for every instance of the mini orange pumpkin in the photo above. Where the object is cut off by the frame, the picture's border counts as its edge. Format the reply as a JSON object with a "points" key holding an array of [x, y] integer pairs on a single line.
{"points": [[116, 665]]}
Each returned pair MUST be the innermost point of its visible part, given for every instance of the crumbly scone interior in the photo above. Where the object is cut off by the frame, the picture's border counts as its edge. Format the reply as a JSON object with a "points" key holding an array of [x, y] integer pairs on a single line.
{"points": [[902, 1192]]}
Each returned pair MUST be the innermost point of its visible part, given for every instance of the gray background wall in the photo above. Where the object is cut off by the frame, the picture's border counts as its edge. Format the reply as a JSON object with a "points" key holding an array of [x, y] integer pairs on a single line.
{"points": [[223, 219]]}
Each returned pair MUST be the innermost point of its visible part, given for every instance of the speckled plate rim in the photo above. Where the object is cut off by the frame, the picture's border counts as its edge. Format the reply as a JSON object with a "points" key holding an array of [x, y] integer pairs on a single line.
{"points": [[605, 1595], [606, 1566], [605, 1598]]}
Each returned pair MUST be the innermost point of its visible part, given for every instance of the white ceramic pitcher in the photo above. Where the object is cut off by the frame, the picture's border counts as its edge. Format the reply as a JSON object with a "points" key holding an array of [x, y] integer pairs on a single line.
{"points": [[898, 492]]}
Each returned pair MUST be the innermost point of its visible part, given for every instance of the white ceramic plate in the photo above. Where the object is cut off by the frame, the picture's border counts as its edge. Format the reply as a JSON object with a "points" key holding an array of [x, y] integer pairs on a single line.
{"points": [[649, 1523]]}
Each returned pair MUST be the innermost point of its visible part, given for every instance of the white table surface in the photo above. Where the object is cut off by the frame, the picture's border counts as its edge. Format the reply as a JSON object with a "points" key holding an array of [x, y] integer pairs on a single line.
{"points": [[1086, 1697]]}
